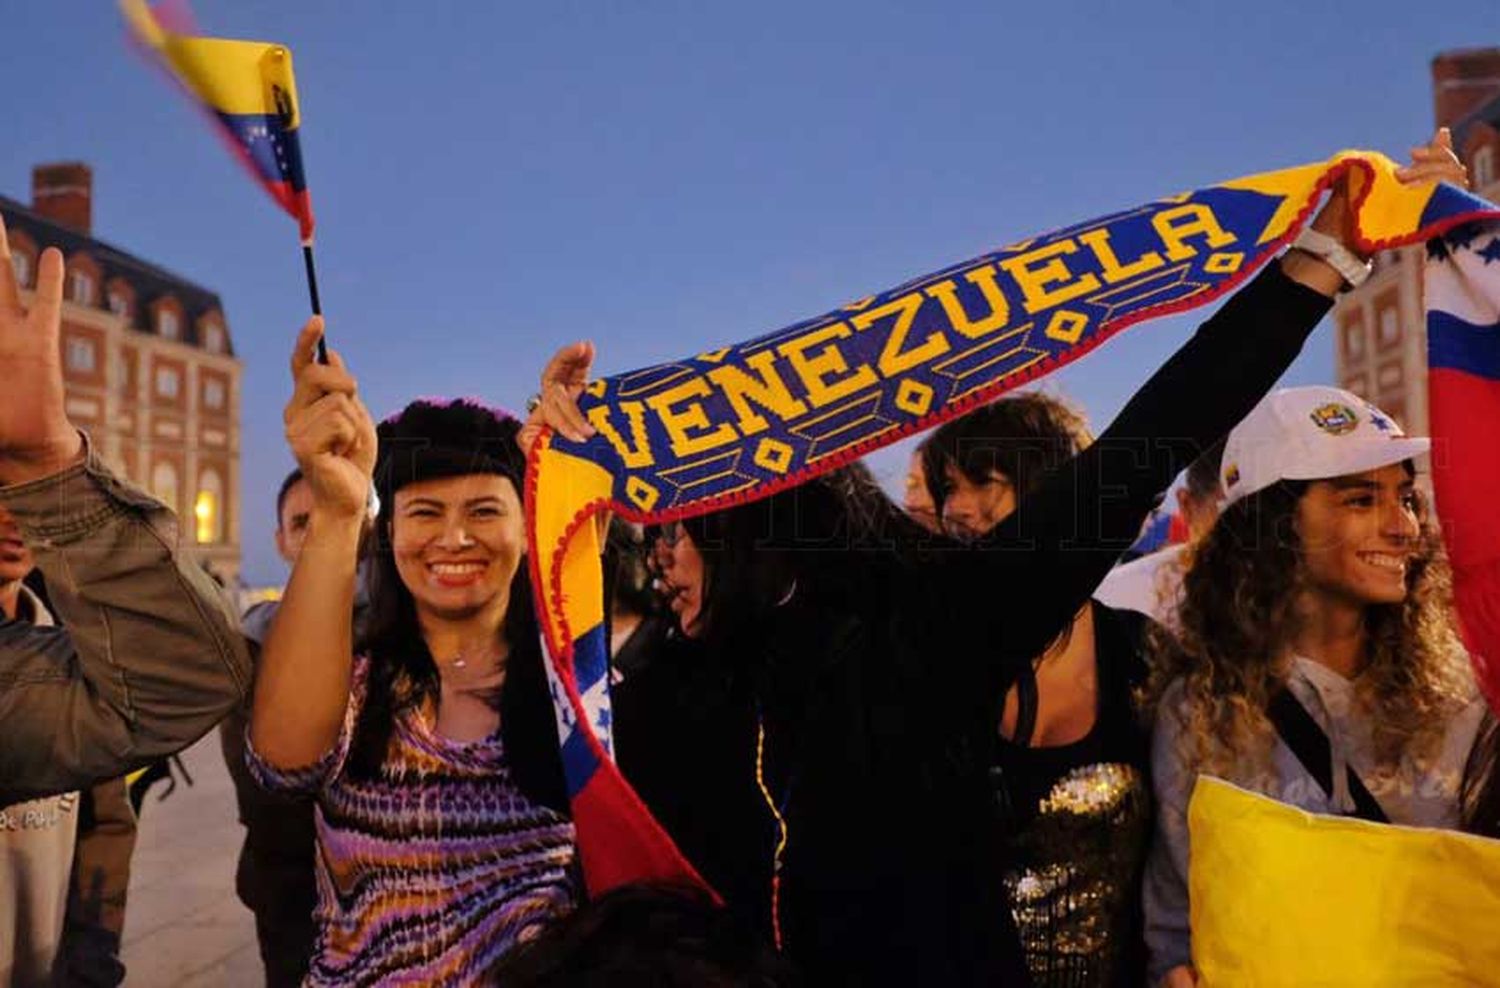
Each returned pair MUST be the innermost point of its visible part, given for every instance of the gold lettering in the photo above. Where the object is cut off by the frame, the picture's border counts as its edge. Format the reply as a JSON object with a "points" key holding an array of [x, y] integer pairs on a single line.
{"points": [[679, 421], [893, 360], [983, 278], [635, 414], [1034, 280], [768, 390], [1197, 218], [1109, 263], [815, 370]]}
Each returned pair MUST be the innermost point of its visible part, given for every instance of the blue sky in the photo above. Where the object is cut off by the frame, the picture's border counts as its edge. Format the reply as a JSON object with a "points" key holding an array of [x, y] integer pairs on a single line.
{"points": [[492, 180]]}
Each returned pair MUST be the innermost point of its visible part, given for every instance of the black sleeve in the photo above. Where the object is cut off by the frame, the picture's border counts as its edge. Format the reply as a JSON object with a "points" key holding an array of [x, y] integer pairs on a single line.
{"points": [[1026, 580]]}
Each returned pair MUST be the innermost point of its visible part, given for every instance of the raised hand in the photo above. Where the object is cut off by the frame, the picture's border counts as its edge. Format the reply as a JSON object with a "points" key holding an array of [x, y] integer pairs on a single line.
{"points": [[563, 380], [36, 438], [329, 429], [1435, 162]]}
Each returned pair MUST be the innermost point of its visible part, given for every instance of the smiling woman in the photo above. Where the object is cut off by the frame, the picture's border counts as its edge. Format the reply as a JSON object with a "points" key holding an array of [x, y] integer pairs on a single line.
{"points": [[433, 756], [1320, 584]]}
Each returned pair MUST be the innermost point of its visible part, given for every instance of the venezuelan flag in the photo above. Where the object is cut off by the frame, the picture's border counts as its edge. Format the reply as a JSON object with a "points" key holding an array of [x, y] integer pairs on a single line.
{"points": [[735, 423], [1462, 290], [248, 88]]}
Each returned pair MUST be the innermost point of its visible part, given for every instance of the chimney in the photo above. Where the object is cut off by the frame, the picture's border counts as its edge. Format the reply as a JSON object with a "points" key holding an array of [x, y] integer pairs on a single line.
{"points": [[1462, 80], [63, 193]]}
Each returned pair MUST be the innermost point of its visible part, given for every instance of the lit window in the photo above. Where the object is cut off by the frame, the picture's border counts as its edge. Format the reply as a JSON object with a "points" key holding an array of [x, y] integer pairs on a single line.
{"points": [[81, 355], [1484, 167], [206, 512], [167, 325], [164, 484], [81, 287], [167, 382], [21, 262], [213, 393]]}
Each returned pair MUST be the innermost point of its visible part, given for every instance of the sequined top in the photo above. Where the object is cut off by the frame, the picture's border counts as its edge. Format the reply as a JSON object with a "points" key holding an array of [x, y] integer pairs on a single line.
{"points": [[430, 872], [1079, 822]]}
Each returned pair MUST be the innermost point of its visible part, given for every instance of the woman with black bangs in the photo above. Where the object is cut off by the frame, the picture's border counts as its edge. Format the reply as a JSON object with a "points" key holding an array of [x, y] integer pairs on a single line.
{"points": [[430, 746], [810, 739]]}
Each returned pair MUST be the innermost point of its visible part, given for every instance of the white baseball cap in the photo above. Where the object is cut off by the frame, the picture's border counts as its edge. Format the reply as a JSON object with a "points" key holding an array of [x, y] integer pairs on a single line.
{"points": [[1311, 433]]}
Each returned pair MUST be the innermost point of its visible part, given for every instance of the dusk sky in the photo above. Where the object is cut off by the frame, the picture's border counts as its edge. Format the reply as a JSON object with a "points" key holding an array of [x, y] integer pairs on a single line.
{"points": [[494, 179]]}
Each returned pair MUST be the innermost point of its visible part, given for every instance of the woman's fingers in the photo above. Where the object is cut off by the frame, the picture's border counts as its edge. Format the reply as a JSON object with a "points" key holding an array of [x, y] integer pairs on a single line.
{"points": [[10, 290], [305, 347], [570, 365], [316, 380], [560, 410], [1435, 162], [329, 425]]}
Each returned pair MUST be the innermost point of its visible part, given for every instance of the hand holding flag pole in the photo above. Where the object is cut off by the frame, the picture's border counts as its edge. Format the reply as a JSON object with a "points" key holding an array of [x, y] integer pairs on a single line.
{"points": [[248, 90]]}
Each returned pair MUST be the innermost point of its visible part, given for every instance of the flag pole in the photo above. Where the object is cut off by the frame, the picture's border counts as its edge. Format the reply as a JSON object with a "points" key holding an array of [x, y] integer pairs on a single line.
{"points": [[312, 292]]}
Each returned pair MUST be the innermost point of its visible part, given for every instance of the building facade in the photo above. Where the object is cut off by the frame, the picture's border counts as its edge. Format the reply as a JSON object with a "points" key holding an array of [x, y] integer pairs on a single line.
{"points": [[1380, 350], [150, 368]]}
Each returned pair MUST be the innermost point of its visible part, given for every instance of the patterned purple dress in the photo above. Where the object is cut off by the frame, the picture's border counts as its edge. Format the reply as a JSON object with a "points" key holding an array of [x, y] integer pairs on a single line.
{"points": [[431, 872]]}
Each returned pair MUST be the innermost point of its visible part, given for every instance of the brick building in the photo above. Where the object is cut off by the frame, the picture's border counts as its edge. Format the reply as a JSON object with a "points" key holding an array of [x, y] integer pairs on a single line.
{"points": [[150, 369], [1381, 347]]}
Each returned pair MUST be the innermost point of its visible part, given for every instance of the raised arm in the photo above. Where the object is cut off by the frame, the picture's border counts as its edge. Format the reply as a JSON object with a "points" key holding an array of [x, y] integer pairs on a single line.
{"points": [[1052, 552], [150, 660], [302, 688]]}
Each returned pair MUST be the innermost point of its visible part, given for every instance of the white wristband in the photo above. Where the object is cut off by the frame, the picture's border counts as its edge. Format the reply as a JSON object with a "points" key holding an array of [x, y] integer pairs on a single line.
{"points": [[1335, 254]]}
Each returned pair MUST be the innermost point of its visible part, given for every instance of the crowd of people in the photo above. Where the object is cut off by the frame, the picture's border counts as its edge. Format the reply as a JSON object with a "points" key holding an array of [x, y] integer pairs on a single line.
{"points": [[953, 746]]}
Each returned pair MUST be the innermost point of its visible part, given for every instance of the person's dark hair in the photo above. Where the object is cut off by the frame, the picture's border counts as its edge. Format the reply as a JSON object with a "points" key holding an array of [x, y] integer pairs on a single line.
{"points": [[627, 575], [1237, 622], [1022, 436], [646, 936], [429, 440], [1479, 796], [292, 480], [1202, 476], [807, 539]]}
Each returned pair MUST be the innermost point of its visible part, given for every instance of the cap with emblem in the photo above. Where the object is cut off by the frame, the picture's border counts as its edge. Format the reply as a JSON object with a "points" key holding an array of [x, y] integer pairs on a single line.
{"points": [[1311, 433]]}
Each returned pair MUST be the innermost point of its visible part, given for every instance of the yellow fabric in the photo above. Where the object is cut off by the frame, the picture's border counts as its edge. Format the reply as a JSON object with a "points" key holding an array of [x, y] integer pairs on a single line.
{"points": [[234, 77], [1280, 897]]}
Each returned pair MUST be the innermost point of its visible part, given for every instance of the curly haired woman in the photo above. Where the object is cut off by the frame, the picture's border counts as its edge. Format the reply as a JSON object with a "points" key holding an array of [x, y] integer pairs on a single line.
{"points": [[1320, 584]]}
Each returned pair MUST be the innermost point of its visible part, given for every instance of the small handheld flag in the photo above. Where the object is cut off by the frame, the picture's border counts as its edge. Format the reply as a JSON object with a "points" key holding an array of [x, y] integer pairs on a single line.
{"points": [[249, 91]]}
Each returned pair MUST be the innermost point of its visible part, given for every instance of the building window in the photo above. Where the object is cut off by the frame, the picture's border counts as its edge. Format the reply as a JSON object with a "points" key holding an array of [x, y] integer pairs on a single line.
{"points": [[168, 326], [20, 262], [213, 337], [1389, 378], [207, 510], [1354, 339], [123, 377], [1388, 328], [213, 394], [1358, 384], [80, 287], [167, 382], [164, 484], [82, 355], [119, 302], [1484, 166]]}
